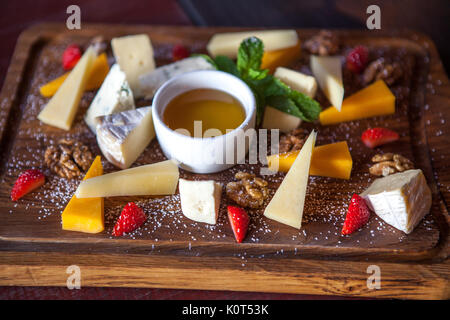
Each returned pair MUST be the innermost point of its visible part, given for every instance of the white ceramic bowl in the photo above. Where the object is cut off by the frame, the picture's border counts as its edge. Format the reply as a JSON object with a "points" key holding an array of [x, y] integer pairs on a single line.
{"points": [[203, 155]]}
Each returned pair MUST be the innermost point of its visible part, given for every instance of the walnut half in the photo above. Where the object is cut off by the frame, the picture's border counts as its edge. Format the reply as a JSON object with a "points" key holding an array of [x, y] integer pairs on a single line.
{"points": [[68, 159], [389, 163], [248, 191]]}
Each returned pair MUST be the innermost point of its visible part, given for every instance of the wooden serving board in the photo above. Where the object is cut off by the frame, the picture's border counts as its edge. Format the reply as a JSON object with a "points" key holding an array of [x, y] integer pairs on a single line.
{"points": [[172, 251]]}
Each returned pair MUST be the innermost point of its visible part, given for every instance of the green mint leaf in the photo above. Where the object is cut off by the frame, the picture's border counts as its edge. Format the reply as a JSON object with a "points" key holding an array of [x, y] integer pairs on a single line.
{"points": [[257, 74], [250, 55], [275, 87], [283, 103], [310, 108], [225, 64]]}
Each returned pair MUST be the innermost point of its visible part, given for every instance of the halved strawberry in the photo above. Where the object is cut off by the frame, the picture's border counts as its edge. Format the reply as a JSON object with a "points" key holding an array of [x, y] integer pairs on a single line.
{"points": [[27, 182], [357, 215], [71, 56], [239, 221], [131, 218], [180, 52], [377, 136]]}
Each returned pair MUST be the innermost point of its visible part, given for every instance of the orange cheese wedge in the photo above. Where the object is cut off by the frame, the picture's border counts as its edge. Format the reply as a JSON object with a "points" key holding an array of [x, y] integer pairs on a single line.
{"points": [[330, 160], [280, 58], [374, 100], [100, 69], [85, 215]]}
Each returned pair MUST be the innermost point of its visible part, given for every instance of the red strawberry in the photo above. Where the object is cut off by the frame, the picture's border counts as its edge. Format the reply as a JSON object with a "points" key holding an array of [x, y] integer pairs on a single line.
{"points": [[239, 221], [180, 52], [71, 56], [357, 215], [357, 59], [131, 218], [27, 182], [377, 136]]}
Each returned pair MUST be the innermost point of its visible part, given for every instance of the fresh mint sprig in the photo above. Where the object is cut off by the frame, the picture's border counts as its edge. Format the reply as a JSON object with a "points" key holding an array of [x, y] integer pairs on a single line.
{"points": [[267, 89]]}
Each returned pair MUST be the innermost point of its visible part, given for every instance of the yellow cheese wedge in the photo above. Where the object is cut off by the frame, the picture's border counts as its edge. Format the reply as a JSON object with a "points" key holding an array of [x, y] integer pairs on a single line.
{"points": [[330, 160], [85, 215], [227, 44], [288, 202], [281, 57], [99, 71], [153, 179], [374, 100], [62, 107], [328, 72]]}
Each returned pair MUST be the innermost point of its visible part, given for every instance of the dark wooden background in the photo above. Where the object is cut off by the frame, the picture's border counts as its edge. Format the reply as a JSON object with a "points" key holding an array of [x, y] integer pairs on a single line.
{"points": [[430, 17]]}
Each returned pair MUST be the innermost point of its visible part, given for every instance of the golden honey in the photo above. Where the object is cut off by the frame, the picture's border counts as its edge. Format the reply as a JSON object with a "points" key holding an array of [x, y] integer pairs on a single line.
{"points": [[215, 109]]}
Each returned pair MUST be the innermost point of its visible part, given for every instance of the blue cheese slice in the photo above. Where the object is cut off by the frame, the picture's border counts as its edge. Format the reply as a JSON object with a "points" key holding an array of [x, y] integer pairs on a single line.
{"points": [[152, 81], [114, 96], [123, 136], [200, 200], [400, 199]]}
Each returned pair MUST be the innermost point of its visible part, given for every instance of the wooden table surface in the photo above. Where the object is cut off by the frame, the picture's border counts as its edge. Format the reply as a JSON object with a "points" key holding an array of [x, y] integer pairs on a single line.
{"points": [[17, 16]]}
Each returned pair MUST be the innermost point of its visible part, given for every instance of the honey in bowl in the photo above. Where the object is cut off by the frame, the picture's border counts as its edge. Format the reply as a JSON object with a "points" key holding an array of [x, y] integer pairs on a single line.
{"points": [[215, 109]]}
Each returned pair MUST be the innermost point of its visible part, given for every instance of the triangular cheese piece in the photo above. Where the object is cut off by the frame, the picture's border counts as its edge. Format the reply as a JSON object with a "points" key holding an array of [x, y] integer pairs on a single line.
{"points": [[85, 215], [287, 204], [328, 73], [123, 136], [62, 107]]}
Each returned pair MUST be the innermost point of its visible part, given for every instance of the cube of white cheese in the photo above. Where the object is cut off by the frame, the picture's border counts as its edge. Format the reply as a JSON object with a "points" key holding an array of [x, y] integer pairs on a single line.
{"points": [[200, 200], [297, 81], [150, 82], [113, 96], [276, 119], [122, 137], [134, 54], [400, 199]]}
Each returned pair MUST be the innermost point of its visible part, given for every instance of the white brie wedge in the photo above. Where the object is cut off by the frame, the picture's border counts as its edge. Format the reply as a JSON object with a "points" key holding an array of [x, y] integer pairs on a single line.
{"points": [[123, 136], [400, 199]]}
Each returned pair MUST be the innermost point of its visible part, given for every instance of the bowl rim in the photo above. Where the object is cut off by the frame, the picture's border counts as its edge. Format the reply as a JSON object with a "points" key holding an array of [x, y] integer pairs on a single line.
{"points": [[249, 115]]}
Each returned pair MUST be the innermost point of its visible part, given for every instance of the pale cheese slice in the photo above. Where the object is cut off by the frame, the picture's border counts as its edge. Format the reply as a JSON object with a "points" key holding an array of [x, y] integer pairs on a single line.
{"points": [[328, 73], [297, 81], [123, 136], [276, 119], [153, 179], [200, 200], [288, 201], [134, 54], [227, 44], [62, 107]]}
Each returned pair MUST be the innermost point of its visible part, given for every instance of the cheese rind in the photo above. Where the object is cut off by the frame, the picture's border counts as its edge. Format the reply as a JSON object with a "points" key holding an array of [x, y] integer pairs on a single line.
{"points": [[330, 160], [297, 81], [114, 96], [288, 202], [153, 179], [200, 200], [134, 54], [62, 107], [85, 215], [276, 119], [122, 137], [227, 44], [374, 100], [152, 81], [328, 73], [400, 199]]}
